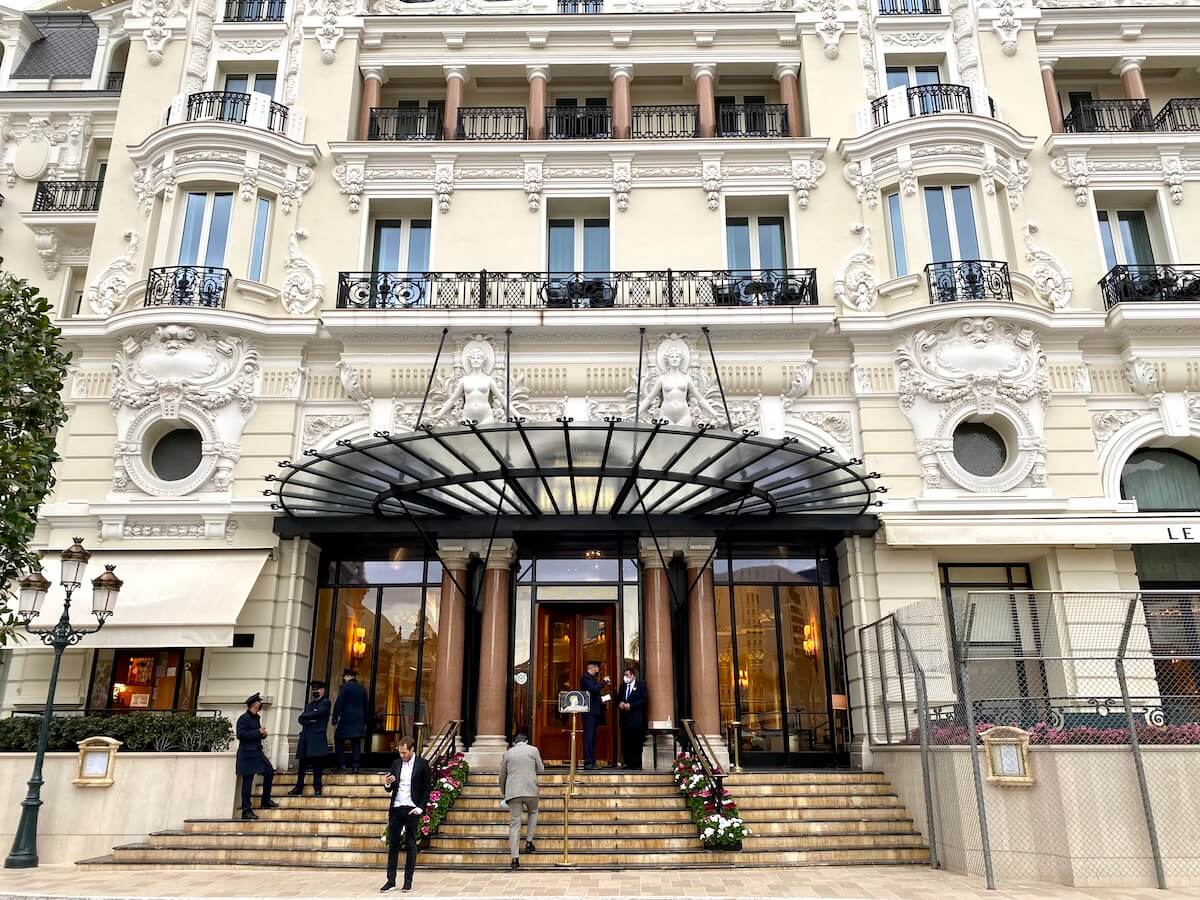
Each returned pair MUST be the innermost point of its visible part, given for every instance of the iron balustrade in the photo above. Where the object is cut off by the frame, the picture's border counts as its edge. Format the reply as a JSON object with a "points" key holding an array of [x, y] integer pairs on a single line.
{"points": [[910, 7], [581, 7], [1092, 116], [677, 121], [968, 279], [115, 81], [1125, 284], [405, 124], [752, 120], [233, 107], [254, 10], [187, 286], [575, 122], [929, 100], [577, 290], [1179, 114], [67, 196], [492, 123]]}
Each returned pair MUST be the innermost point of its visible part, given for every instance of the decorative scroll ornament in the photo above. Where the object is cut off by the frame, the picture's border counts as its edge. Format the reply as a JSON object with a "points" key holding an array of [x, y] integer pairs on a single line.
{"points": [[158, 34], [1107, 423], [302, 289], [622, 183], [710, 177], [1143, 377], [349, 177], [1007, 26], [298, 182], [805, 174], [45, 241], [1076, 172], [829, 29], [199, 45], [318, 427], [908, 179], [862, 179], [354, 383], [249, 184], [143, 187], [534, 181], [1018, 177], [1051, 280], [855, 285], [443, 184], [962, 28], [328, 33], [1173, 177], [866, 40], [107, 294], [802, 380], [835, 424]]}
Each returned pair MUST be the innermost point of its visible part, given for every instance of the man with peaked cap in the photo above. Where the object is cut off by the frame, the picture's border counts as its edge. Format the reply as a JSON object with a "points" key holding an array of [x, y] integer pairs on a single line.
{"points": [[312, 745], [251, 760]]}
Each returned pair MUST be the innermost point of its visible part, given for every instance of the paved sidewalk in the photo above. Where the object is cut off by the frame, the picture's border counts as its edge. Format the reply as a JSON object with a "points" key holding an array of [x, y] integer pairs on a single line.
{"points": [[843, 883]]}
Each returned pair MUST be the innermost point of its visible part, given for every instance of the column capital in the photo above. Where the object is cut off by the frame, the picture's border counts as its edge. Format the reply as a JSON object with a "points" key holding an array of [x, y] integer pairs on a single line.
{"points": [[504, 551], [1129, 62], [703, 70], [454, 554], [375, 73], [459, 72], [1047, 63], [696, 551], [782, 70], [618, 70], [648, 551], [542, 72]]}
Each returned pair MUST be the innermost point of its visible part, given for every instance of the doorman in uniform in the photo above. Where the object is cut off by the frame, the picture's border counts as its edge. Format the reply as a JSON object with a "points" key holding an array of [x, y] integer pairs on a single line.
{"points": [[631, 702], [251, 760], [313, 743], [596, 687]]}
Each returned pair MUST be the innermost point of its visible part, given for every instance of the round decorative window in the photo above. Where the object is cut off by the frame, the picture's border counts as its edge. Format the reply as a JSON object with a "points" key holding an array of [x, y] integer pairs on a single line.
{"points": [[980, 449], [176, 454]]}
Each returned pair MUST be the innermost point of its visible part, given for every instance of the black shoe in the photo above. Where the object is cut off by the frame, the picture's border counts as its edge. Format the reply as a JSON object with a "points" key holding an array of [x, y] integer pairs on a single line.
{"points": [[529, 848], [388, 887], [589, 768], [355, 771], [269, 804], [248, 814], [317, 792], [406, 889], [516, 863], [298, 792]]}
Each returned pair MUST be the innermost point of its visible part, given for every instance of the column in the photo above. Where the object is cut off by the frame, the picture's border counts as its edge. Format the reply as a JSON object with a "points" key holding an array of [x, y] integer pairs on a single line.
{"points": [[657, 658], [702, 640], [704, 75], [373, 80], [789, 93], [1050, 87], [452, 625], [494, 659], [456, 78], [622, 123], [1131, 77], [538, 77]]}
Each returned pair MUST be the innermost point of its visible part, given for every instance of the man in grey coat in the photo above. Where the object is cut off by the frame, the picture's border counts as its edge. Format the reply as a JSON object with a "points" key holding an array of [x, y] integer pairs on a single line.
{"points": [[519, 771]]}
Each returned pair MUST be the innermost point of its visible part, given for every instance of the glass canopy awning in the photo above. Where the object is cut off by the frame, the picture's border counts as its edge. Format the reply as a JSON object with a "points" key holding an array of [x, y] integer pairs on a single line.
{"points": [[532, 470]]}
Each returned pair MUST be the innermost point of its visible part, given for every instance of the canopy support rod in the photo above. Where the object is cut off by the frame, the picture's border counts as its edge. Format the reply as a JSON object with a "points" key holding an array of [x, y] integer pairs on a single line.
{"points": [[429, 384], [717, 372], [491, 539], [507, 374], [432, 545], [637, 395]]}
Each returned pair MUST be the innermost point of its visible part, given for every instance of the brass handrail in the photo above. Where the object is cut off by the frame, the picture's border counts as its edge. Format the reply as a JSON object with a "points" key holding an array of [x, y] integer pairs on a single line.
{"points": [[734, 727], [708, 759], [441, 746]]}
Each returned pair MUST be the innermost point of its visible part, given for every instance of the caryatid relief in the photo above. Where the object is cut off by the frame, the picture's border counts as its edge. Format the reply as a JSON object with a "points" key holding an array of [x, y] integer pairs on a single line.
{"points": [[675, 388], [477, 388]]}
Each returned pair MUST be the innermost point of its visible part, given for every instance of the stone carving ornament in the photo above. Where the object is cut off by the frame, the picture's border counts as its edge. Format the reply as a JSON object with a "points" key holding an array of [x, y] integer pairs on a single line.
{"points": [[1051, 280], [855, 285], [674, 388], [107, 294], [302, 290], [476, 389]]}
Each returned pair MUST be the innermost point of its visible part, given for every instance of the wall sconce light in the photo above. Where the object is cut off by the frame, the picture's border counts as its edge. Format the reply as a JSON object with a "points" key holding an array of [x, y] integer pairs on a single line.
{"points": [[810, 640], [359, 648]]}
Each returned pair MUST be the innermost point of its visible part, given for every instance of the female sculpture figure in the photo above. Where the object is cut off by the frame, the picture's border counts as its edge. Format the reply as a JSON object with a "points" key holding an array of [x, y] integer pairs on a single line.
{"points": [[674, 387], [477, 389]]}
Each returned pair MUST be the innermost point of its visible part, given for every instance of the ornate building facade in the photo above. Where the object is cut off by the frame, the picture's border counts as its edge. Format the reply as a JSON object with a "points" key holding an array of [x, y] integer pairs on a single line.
{"points": [[941, 246]]}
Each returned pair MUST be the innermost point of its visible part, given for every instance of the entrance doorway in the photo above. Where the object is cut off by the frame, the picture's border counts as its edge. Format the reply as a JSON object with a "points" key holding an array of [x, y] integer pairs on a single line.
{"points": [[568, 638]]}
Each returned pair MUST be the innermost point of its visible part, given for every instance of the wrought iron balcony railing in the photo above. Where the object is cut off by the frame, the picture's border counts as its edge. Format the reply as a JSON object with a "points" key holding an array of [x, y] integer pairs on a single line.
{"points": [[665, 121], [578, 122], [115, 81], [752, 120], [187, 286], [926, 100], [1179, 114], [235, 107], [577, 290], [910, 7], [1092, 116], [254, 10], [492, 123], [581, 7], [67, 196], [968, 279], [405, 124], [1135, 284]]}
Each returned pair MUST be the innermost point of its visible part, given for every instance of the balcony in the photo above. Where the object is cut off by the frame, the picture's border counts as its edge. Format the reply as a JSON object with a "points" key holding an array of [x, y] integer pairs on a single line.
{"points": [[968, 279], [492, 123], [254, 10], [1137, 284], [569, 123], [405, 124], [910, 7], [115, 81], [1180, 114], [581, 7], [752, 120], [1106, 116], [665, 122], [67, 196], [926, 100], [577, 290], [255, 110], [187, 286]]}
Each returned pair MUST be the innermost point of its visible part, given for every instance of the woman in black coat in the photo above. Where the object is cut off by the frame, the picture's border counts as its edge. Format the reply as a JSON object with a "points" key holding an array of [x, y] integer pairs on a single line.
{"points": [[312, 745]]}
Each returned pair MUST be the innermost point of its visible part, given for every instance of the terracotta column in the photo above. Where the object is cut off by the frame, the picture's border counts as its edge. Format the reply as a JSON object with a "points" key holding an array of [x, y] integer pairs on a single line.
{"points": [[704, 75], [495, 662], [452, 625], [1131, 77], [538, 77], [622, 122], [456, 77], [657, 658], [1050, 87], [702, 641], [789, 92], [373, 80]]}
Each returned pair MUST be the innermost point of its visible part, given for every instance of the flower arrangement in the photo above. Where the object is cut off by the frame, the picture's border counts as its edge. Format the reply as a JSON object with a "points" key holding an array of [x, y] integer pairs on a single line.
{"points": [[717, 818], [446, 787]]}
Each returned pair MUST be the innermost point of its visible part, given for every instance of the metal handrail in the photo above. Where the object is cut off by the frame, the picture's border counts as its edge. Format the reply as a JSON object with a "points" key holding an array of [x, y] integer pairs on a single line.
{"points": [[442, 745], [708, 759], [1165, 283], [968, 279], [1101, 116], [1179, 114], [67, 196]]}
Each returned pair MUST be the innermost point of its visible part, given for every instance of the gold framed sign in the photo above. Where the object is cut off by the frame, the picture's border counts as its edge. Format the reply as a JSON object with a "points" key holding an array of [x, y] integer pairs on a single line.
{"points": [[97, 760], [1007, 751]]}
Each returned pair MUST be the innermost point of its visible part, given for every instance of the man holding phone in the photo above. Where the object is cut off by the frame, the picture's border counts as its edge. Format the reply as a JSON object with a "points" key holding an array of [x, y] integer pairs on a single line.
{"points": [[409, 782], [599, 691]]}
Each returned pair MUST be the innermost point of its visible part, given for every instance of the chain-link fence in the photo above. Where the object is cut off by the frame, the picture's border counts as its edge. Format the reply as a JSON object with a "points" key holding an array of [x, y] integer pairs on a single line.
{"points": [[1105, 689]]}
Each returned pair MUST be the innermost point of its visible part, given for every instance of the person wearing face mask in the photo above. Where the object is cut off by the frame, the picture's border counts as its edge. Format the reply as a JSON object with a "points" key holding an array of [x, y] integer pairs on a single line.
{"points": [[312, 745], [631, 706]]}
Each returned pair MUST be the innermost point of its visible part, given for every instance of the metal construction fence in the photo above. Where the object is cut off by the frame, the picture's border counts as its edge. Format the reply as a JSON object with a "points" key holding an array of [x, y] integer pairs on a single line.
{"points": [[1105, 688]]}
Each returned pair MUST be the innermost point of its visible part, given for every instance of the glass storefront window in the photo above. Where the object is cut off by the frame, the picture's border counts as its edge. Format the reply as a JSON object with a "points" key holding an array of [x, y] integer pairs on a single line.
{"points": [[145, 680], [398, 661]]}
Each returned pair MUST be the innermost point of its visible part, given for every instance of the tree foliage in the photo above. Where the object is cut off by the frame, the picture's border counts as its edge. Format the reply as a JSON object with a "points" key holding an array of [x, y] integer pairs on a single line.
{"points": [[32, 369]]}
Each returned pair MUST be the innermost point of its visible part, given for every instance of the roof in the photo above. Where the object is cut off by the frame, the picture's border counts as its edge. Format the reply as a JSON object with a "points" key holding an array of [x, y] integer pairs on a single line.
{"points": [[66, 49]]}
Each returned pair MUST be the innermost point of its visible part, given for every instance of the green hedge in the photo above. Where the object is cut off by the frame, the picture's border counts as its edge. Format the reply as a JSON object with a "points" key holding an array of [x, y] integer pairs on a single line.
{"points": [[141, 732]]}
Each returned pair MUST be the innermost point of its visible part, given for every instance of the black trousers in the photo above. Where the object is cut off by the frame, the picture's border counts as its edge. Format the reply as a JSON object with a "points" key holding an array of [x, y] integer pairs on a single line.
{"points": [[248, 786], [403, 829], [355, 751], [631, 746], [316, 765], [590, 723]]}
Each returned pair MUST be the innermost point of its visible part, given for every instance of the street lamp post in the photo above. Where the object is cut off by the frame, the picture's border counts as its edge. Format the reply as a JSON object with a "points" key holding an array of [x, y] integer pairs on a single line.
{"points": [[33, 591]]}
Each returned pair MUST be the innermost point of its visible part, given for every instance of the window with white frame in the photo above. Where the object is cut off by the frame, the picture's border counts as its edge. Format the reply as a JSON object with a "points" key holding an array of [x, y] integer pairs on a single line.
{"points": [[251, 83], [912, 75], [258, 242], [204, 235], [895, 229], [950, 214], [578, 244], [1125, 235], [402, 245], [756, 242]]}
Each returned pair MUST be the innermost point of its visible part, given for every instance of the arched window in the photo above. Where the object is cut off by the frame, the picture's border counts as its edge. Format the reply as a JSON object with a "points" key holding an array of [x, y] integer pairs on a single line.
{"points": [[1161, 480]]}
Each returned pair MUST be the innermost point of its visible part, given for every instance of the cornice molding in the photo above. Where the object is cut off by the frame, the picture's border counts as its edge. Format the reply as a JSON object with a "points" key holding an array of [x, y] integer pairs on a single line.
{"points": [[942, 313]]}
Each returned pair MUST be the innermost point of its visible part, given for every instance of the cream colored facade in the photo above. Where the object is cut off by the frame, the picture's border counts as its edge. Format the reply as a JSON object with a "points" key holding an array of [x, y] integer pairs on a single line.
{"points": [[874, 370]]}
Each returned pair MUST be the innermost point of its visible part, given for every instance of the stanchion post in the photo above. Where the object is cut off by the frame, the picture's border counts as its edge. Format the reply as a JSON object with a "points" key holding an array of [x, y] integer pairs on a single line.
{"points": [[565, 861]]}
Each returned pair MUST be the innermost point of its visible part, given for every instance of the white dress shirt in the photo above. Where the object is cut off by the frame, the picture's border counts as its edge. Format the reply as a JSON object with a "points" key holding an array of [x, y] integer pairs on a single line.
{"points": [[404, 789]]}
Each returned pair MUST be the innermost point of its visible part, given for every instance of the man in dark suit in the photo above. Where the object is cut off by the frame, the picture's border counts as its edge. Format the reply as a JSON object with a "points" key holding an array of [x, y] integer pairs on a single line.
{"points": [[594, 717], [350, 719], [409, 782], [313, 742], [631, 703], [251, 760]]}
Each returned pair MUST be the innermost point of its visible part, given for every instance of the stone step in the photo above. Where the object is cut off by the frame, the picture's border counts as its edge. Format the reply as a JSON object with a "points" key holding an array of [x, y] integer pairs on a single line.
{"points": [[824, 814], [816, 801], [620, 815], [453, 828], [556, 803], [618, 777], [602, 841], [819, 777], [613, 792], [807, 790]]}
